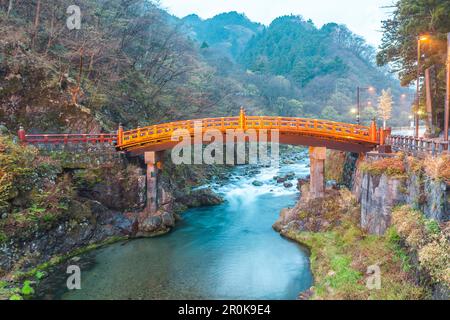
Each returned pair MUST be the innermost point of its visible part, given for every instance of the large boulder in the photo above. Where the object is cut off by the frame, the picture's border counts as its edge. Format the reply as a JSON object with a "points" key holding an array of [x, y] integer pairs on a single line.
{"points": [[200, 198]]}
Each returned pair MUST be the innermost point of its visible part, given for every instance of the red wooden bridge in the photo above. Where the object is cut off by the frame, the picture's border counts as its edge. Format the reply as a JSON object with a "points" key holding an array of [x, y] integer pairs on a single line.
{"points": [[317, 134], [294, 131]]}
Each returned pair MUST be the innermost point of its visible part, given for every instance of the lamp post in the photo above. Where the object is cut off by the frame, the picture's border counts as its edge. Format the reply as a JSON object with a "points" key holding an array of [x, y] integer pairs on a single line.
{"points": [[420, 38], [358, 103]]}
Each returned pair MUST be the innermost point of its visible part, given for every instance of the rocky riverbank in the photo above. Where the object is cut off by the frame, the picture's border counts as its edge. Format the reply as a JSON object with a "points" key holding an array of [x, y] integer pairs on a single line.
{"points": [[350, 233], [342, 254], [54, 204]]}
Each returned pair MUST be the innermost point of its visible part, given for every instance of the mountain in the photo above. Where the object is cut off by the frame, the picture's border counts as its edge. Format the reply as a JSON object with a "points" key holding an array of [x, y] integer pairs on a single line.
{"points": [[318, 67], [325, 63], [228, 32]]}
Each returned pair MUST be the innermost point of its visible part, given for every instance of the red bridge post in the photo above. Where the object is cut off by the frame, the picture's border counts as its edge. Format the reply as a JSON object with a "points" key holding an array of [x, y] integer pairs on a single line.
{"points": [[120, 135], [373, 131], [22, 135], [242, 120]]}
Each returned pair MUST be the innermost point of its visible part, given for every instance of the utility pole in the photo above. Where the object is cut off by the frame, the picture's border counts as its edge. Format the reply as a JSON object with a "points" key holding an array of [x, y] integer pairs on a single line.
{"points": [[416, 114], [358, 107], [447, 97], [371, 89]]}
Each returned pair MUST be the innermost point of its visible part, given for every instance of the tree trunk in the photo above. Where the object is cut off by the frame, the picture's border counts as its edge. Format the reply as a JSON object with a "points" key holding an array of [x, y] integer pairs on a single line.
{"points": [[52, 31], [36, 23], [10, 7]]}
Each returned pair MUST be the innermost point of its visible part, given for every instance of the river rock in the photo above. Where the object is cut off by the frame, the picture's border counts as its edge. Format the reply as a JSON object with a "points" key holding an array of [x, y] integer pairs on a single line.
{"points": [[150, 224], [281, 179], [200, 198], [288, 185], [290, 176], [168, 219], [257, 183]]}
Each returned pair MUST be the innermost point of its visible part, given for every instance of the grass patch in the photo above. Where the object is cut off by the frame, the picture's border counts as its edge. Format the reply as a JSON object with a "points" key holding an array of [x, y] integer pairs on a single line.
{"points": [[339, 264], [343, 256]]}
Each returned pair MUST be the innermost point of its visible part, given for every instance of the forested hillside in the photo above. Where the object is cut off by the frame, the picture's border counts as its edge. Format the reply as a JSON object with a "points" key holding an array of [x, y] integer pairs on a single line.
{"points": [[133, 63], [296, 68], [326, 64], [430, 20]]}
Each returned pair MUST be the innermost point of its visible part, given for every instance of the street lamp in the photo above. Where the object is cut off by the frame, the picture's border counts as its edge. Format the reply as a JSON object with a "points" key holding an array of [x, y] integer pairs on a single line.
{"points": [[420, 38], [358, 105]]}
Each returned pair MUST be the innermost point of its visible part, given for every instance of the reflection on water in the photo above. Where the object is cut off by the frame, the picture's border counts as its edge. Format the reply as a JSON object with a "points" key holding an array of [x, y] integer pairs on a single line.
{"points": [[224, 252]]}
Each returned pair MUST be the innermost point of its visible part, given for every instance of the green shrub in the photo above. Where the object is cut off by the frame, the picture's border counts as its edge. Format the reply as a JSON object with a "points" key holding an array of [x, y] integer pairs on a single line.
{"points": [[394, 241], [3, 237], [432, 227], [426, 238], [435, 258], [40, 275], [27, 289]]}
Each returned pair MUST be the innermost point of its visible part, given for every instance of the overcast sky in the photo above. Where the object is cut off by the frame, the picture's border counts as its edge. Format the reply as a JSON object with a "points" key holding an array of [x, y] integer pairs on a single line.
{"points": [[361, 16]]}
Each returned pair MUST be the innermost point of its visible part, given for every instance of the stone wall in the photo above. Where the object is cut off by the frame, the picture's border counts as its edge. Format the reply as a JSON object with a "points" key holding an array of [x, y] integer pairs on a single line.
{"points": [[379, 193]]}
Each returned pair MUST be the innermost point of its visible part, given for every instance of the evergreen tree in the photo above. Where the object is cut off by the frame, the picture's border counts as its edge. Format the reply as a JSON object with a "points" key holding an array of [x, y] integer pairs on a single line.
{"points": [[410, 19]]}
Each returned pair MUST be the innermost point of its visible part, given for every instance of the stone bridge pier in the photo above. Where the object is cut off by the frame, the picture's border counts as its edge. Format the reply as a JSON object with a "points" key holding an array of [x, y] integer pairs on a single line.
{"points": [[317, 156], [154, 162]]}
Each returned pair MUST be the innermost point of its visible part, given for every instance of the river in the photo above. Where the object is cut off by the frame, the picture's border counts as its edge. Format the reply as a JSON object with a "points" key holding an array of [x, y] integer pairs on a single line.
{"points": [[229, 251]]}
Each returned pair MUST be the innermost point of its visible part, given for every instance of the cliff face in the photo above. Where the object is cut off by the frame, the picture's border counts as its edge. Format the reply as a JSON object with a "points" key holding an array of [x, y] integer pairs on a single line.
{"points": [[379, 194], [379, 191]]}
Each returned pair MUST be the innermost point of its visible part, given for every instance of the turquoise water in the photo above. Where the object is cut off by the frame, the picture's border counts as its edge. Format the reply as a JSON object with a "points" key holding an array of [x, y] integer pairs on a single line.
{"points": [[228, 251]]}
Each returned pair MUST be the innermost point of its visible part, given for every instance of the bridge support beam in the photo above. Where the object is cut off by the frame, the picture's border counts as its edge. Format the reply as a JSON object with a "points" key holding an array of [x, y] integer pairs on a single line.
{"points": [[153, 160], [317, 156]]}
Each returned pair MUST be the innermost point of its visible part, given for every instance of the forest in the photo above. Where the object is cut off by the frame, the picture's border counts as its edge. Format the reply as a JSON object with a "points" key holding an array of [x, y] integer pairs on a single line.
{"points": [[133, 63], [427, 21]]}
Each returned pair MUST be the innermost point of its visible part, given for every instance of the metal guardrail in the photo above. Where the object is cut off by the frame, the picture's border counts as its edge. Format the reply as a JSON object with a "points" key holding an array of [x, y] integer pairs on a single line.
{"points": [[418, 146]]}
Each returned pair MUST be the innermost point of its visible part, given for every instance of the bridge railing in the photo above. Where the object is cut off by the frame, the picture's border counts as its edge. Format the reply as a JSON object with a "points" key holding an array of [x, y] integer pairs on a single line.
{"points": [[66, 138], [326, 127], [418, 146], [163, 132]]}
